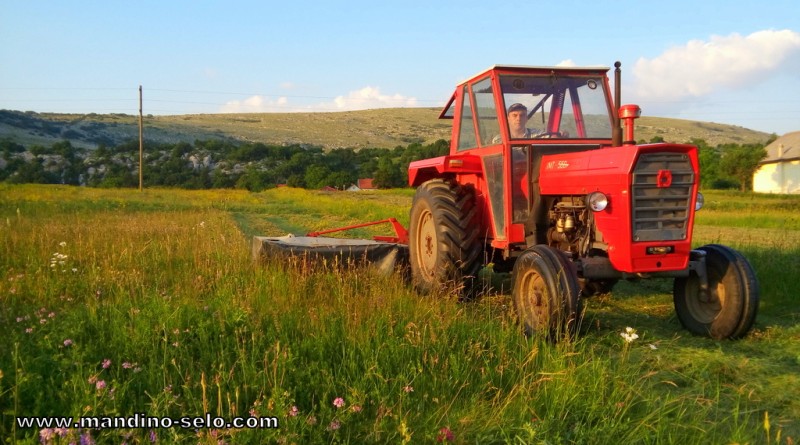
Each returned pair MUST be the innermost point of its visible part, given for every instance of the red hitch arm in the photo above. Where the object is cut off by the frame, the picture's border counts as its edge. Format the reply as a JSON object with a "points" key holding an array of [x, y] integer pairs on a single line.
{"points": [[400, 231]]}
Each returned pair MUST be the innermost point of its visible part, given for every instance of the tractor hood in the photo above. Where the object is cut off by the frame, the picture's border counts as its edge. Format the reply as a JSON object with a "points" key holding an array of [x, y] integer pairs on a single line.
{"points": [[651, 191]]}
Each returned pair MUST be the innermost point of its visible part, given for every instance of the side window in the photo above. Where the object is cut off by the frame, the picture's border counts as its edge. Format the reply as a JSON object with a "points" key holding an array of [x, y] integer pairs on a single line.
{"points": [[486, 112], [466, 136]]}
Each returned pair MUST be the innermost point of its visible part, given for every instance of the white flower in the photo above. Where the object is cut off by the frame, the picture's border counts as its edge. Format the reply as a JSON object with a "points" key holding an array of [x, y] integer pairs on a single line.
{"points": [[629, 335]]}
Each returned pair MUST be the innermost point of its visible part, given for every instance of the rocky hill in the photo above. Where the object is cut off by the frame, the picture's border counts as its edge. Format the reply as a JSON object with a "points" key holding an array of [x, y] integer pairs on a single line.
{"points": [[386, 128]]}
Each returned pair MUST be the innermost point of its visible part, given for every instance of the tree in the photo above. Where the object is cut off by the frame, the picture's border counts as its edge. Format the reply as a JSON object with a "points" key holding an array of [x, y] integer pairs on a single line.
{"points": [[741, 162], [709, 166], [317, 176], [388, 175]]}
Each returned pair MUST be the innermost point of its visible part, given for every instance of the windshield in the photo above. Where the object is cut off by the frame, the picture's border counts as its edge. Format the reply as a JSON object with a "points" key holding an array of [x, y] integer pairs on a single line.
{"points": [[553, 106]]}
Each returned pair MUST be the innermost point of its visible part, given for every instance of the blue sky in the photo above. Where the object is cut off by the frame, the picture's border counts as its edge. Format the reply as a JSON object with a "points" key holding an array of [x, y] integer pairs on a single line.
{"points": [[734, 62]]}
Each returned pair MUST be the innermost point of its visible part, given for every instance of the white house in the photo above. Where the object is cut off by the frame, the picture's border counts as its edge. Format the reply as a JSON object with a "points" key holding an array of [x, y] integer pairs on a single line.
{"points": [[779, 172]]}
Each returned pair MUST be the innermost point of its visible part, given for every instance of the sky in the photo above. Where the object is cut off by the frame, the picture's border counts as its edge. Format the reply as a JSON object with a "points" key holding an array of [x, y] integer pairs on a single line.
{"points": [[733, 62]]}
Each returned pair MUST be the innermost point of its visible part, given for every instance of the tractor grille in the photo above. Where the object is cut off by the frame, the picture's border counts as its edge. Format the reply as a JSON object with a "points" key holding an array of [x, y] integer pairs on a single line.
{"points": [[661, 213]]}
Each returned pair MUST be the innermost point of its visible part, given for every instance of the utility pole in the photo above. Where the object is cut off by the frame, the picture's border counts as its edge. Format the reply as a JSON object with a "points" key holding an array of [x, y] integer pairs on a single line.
{"points": [[141, 142]]}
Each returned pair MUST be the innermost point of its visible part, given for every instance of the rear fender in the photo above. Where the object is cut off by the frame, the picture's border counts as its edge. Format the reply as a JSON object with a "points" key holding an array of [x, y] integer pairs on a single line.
{"points": [[443, 166]]}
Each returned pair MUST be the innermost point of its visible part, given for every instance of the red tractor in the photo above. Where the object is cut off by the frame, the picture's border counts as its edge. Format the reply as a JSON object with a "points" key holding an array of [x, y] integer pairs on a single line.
{"points": [[543, 182]]}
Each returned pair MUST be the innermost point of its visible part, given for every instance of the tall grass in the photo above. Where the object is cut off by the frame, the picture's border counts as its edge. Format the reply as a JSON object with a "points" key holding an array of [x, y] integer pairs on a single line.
{"points": [[116, 304]]}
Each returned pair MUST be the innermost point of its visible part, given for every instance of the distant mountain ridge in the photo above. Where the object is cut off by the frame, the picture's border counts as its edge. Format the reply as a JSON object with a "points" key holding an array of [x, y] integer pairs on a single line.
{"points": [[385, 128]]}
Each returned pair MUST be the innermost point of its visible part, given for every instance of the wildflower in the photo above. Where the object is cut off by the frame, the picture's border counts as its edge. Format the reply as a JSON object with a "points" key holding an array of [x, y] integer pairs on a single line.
{"points": [[652, 346], [67, 342], [19, 319], [338, 402], [28, 330], [408, 388], [335, 425], [86, 439], [46, 434], [106, 363], [62, 244], [126, 365], [51, 315], [445, 435], [629, 335], [294, 411], [356, 408], [153, 436], [92, 380], [100, 385]]}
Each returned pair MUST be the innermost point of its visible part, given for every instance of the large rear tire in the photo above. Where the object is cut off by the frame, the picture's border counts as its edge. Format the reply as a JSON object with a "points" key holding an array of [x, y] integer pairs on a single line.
{"points": [[728, 310], [546, 293], [445, 251]]}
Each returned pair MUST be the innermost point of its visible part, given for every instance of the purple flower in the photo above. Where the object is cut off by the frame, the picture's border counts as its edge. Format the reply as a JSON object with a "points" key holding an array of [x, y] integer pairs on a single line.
{"points": [[67, 342], [294, 411], [335, 425], [338, 402], [86, 438], [101, 384], [106, 363]]}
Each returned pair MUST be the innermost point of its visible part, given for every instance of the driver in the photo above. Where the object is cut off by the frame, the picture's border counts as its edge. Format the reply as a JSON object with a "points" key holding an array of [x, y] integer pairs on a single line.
{"points": [[517, 121]]}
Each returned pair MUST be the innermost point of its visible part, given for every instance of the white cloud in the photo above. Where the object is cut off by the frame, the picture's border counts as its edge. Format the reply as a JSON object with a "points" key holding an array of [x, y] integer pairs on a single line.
{"points": [[255, 104], [701, 68], [370, 97], [362, 99]]}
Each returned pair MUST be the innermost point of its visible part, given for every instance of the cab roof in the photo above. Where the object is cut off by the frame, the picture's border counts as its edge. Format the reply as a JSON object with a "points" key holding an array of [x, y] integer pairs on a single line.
{"points": [[532, 69]]}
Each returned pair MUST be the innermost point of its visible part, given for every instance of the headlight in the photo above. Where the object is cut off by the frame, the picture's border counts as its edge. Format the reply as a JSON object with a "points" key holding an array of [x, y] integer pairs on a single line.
{"points": [[597, 201], [700, 201]]}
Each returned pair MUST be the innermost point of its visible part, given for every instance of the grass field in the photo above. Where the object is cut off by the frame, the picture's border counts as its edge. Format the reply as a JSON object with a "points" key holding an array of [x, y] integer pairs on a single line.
{"points": [[118, 302]]}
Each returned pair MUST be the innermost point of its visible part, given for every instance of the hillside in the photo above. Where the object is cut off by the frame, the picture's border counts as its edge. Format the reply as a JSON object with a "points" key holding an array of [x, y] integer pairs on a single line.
{"points": [[369, 128]]}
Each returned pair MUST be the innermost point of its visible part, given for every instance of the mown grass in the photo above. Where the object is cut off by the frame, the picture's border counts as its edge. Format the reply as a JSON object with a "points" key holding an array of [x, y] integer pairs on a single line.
{"points": [[158, 299]]}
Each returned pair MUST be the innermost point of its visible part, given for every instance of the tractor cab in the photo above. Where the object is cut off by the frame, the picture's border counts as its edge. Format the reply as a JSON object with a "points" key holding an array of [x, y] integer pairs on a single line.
{"points": [[505, 119], [545, 102]]}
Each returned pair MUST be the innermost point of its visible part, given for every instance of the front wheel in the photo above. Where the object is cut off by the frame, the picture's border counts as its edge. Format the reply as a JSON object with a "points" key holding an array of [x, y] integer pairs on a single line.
{"points": [[727, 309], [546, 293]]}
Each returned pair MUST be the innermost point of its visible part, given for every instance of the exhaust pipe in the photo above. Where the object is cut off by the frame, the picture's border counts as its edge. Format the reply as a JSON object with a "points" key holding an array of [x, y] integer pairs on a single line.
{"points": [[616, 133]]}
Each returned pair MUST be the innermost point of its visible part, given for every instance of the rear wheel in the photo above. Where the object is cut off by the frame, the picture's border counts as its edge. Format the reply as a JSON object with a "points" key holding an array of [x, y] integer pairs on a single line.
{"points": [[444, 247], [728, 309], [546, 293]]}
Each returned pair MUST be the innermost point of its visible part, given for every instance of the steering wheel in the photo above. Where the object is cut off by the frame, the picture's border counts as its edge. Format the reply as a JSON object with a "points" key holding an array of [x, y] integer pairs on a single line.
{"points": [[548, 135]]}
